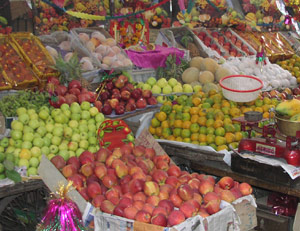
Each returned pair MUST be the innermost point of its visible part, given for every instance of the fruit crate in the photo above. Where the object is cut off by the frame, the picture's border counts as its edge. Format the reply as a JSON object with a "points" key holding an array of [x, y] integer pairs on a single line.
{"points": [[141, 75], [244, 43], [15, 82], [47, 70]]}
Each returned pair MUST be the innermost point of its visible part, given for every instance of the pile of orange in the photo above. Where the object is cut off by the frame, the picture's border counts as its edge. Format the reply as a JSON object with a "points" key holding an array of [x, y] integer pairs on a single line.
{"points": [[205, 119], [292, 65]]}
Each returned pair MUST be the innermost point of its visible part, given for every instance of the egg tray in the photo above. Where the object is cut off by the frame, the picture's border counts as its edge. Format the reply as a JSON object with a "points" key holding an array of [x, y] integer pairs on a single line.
{"points": [[89, 31], [54, 39], [29, 36], [11, 84]]}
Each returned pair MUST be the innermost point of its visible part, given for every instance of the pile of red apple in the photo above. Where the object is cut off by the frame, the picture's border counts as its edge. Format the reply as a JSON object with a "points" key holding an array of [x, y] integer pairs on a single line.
{"points": [[135, 183], [74, 92], [120, 96], [238, 43], [219, 38], [208, 42]]}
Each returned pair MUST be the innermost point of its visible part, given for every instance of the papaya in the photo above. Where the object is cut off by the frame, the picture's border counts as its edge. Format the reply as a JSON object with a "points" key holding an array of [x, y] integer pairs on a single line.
{"points": [[288, 108], [295, 118]]}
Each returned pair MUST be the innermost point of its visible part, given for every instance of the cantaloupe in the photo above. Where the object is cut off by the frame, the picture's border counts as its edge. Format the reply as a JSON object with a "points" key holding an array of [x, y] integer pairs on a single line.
{"points": [[208, 64], [209, 86], [196, 62], [206, 77], [190, 75], [221, 72]]}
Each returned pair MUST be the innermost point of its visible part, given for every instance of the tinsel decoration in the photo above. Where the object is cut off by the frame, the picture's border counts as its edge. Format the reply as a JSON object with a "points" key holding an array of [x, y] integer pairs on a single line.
{"points": [[261, 55], [62, 214]]}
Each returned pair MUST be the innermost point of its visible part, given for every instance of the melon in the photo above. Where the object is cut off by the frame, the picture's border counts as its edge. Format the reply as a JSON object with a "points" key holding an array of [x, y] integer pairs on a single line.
{"points": [[195, 83], [195, 62], [221, 72], [208, 64], [210, 86], [206, 77], [190, 75]]}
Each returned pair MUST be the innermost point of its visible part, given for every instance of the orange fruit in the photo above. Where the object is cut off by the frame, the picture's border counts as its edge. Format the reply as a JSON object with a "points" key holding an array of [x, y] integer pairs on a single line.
{"points": [[152, 130], [259, 109], [234, 112], [161, 116], [196, 101], [194, 118], [202, 112], [222, 147], [158, 131], [220, 140], [266, 115], [225, 103], [164, 124], [187, 140], [171, 138], [202, 120], [220, 131], [194, 110], [219, 115], [195, 136], [155, 123], [179, 139], [185, 133], [230, 137], [210, 123], [25, 154], [202, 138], [195, 142], [266, 107], [238, 136], [217, 106], [218, 123], [194, 127], [210, 130], [186, 124], [210, 138], [178, 123]]}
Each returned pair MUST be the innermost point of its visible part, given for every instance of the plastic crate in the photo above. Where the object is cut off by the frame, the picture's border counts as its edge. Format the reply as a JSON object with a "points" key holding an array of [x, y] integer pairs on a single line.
{"points": [[141, 75]]}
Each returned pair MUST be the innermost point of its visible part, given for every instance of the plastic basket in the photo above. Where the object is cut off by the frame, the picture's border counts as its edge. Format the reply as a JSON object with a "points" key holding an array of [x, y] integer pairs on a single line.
{"points": [[141, 75], [241, 88]]}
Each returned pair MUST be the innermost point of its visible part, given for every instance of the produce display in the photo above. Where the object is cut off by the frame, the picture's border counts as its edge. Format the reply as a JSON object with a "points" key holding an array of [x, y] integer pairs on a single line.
{"points": [[103, 48], [26, 99], [7, 164], [14, 71], [32, 49], [119, 96], [292, 65], [205, 119], [66, 131], [136, 183], [289, 109]]}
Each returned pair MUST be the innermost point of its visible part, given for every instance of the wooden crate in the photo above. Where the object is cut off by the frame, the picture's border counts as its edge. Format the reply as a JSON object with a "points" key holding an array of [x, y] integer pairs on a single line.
{"points": [[266, 172]]}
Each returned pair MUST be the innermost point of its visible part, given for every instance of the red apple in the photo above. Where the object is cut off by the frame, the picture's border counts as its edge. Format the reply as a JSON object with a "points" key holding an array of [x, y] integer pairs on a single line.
{"points": [[185, 192], [143, 216], [226, 182], [107, 207], [176, 217], [167, 204], [245, 189], [159, 219], [151, 188], [94, 189]]}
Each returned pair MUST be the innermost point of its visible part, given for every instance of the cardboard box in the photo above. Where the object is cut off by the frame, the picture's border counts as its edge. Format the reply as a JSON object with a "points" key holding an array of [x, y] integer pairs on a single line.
{"points": [[226, 219]]}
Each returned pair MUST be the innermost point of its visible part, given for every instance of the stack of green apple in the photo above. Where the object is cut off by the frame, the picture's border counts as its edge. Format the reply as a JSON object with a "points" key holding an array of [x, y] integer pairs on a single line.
{"points": [[167, 87], [65, 131]]}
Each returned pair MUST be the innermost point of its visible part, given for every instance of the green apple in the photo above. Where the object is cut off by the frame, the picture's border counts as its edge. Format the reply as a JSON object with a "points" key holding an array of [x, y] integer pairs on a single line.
{"points": [[84, 136], [28, 129], [23, 162], [43, 114], [58, 125], [85, 115], [73, 146], [18, 143], [11, 142], [36, 135], [73, 123], [33, 116], [83, 122], [156, 89], [187, 88], [42, 130], [60, 118], [34, 162], [99, 118], [162, 82], [75, 108], [34, 124], [24, 118], [56, 140], [50, 156], [93, 111], [16, 152], [4, 142], [64, 154], [49, 127], [68, 132], [167, 89], [83, 128], [1, 151], [71, 153], [39, 142], [49, 121], [140, 85], [42, 123], [92, 140], [27, 144], [172, 82], [85, 105], [92, 127], [67, 113], [92, 121], [49, 136], [31, 111], [47, 141], [84, 144], [45, 150], [21, 111], [65, 107], [44, 108], [161, 99], [92, 149], [58, 131], [151, 81], [32, 171], [17, 125], [79, 151], [35, 151], [146, 86], [16, 135], [55, 112], [177, 89], [76, 116], [65, 142], [53, 149], [63, 146], [75, 137]]}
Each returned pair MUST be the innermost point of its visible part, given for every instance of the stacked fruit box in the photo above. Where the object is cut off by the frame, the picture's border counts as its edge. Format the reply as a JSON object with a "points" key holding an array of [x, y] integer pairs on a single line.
{"points": [[35, 54], [220, 217], [15, 73]]}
